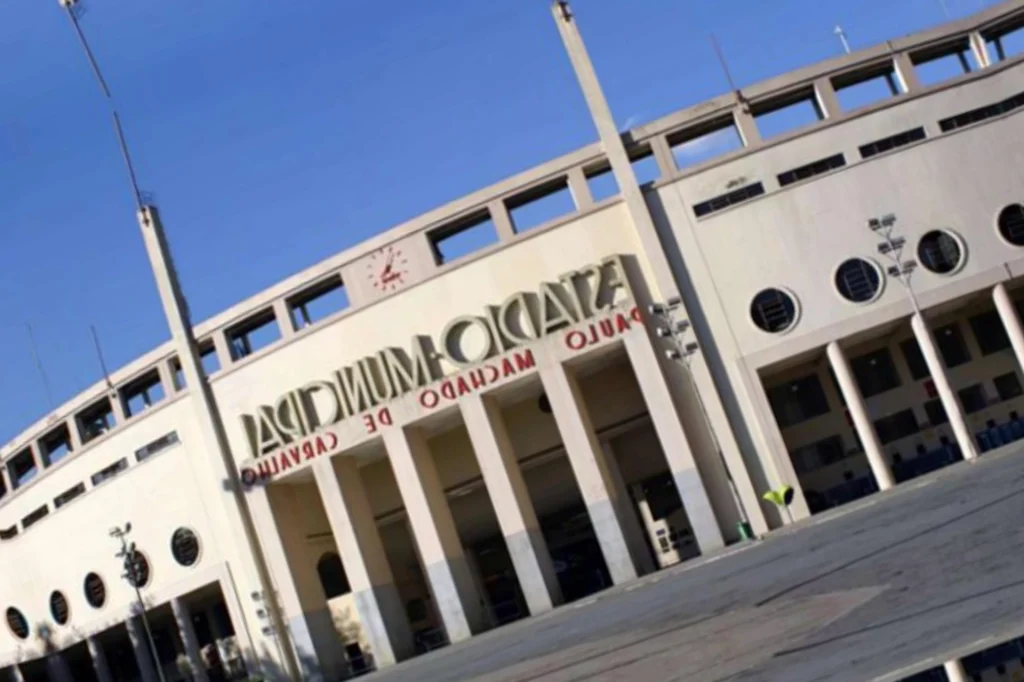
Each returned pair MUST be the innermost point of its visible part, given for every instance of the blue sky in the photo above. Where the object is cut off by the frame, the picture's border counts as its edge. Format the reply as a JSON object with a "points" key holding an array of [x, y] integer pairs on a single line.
{"points": [[274, 134]]}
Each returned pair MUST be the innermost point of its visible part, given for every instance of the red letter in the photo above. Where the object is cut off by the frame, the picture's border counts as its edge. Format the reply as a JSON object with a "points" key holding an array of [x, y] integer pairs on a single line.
{"points": [[334, 441], [635, 314], [593, 334], [477, 378], [307, 450], [264, 469], [607, 330], [575, 340], [294, 454], [621, 323], [495, 376], [384, 416], [429, 399], [447, 390], [368, 422], [524, 360], [320, 447], [506, 367], [285, 462], [463, 386]]}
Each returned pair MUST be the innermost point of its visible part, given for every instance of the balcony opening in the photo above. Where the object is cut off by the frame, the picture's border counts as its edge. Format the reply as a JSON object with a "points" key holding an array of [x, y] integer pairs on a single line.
{"points": [[787, 113], [693, 146], [601, 182], [943, 63], [253, 335], [95, 420], [1007, 41], [142, 393], [159, 445], [463, 237], [319, 301], [68, 495], [55, 446], [866, 87], [107, 473], [645, 167], [540, 205], [22, 468]]}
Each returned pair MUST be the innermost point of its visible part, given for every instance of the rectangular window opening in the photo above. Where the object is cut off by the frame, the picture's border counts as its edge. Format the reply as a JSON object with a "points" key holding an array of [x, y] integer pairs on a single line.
{"points": [[109, 472], [915, 359], [55, 446], [892, 142], [944, 63], [864, 88], [786, 114], [35, 517], [9, 533], [810, 458], [96, 420], [318, 302], [208, 357], [724, 201], [875, 372], [951, 345], [980, 114], [701, 143], [1007, 43], [989, 332], [178, 374], [645, 167], [973, 398], [897, 426], [461, 238], [68, 495], [140, 394], [22, 468], [798, 400], [601, 182], [936, 412], [540, 205], [1008, 386], [160, 444], [812, 169], [253, 335]]}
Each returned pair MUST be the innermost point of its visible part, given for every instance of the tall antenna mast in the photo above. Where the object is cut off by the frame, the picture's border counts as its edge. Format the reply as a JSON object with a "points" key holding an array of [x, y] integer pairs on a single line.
{"points": [[99, 355], [725, 66], [39, 366], [842, 38]]}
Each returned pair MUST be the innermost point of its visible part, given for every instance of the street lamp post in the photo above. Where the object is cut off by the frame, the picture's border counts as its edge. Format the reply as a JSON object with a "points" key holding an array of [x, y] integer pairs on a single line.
{"points": [[892, 247], [673, 328], [129, 555]]}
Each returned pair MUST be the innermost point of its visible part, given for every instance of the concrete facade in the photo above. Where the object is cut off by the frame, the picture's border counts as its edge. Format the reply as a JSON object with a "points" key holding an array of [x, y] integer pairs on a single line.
{"points": [[471, 438]]}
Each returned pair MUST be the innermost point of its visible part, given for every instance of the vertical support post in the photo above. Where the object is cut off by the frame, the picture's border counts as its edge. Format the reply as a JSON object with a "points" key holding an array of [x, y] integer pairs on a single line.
{"points": [[502, 220], [579, 189], [99, 660], [511, 501], [746, 126], [283, 316], [57, 669], [905, 72], [861, 422], [16, 674], [187, 632], [210, 425], [426, 506], [955, 671], [140, 647], [949, 401], [825, 94], [1011, 321], [980, 50], [354, 527]]}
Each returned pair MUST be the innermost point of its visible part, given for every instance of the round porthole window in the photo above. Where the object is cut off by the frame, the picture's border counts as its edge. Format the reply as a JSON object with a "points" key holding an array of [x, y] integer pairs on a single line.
{"points": [[138, 569], [940, 252], [773, 311], [17, 623], [95, 591], [59, 608], [858, 280], [1011, 224], [185, 547]]}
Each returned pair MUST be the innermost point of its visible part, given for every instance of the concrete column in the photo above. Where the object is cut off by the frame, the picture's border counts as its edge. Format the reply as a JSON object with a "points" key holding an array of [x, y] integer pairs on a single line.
{"points": [[955, 671], [284, 318], [674, 442], [220, 637], [116, 406], [37, 457], [187, 632], [223, 350], [451, 580], [905, 73], [629, 515], [861, 421], [380, 608], [16, 675], [663, 156], [949, 400], [980, 50], [605, 504], [511, 501], [5, 477], [1011, 321], [74, 435], [580, 189], [99, 660], [502, 220], [57, 669], [825, 94], [140, 647]]}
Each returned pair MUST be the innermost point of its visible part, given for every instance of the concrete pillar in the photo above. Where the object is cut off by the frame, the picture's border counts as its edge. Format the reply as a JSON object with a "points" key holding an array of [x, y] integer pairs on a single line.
{"points": [[5, 479], [905, 73], [825, 94], [99, 660], [187, 632], [220, 637], [140, 647], [223, 350], [980, 50], [663, 157], [746, 125], [579, 189], [606, 505], [949, 401], [511, 501], [116, 406], [955, 671], [16, 674], [283, 316], [451, 579], [861, 421], [674, 442], [1011, 321], [629, 515], [57, 669], [380, 608], [502, 220]]}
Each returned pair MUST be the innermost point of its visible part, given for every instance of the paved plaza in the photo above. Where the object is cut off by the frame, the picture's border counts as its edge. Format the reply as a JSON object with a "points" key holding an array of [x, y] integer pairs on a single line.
{"points": [[868, 592]]}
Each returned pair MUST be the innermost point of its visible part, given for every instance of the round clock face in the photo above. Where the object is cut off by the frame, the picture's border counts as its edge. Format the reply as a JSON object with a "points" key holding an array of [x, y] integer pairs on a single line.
{"points": [[388, 269]]}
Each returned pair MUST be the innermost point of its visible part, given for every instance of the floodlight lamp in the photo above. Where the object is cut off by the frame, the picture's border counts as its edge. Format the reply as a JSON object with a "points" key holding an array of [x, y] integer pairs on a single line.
{"points": [[884, 248], [656, 309], [875, 224], [255, 596], [128, 527], [889, 219], [673, 354], [674, 302], [895, 271], [692, 348], [682, 326], [664, 332]]}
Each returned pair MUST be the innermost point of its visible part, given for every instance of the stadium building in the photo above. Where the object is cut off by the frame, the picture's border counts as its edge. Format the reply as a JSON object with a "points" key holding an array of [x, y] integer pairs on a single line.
{"points": [[472, 417]]}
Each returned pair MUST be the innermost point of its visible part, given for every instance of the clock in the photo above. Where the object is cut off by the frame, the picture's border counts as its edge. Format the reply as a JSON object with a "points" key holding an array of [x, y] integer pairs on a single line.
{"points": [[387, 269]]}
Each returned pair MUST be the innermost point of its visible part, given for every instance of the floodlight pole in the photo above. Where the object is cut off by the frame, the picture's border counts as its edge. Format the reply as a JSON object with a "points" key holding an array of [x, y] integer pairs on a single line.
{"points": [[127, 554], [673, 329]]}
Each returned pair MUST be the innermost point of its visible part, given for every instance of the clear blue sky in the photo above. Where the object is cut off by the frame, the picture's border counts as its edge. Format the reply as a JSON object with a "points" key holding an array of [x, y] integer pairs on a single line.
{"points": [[274, 134]]}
